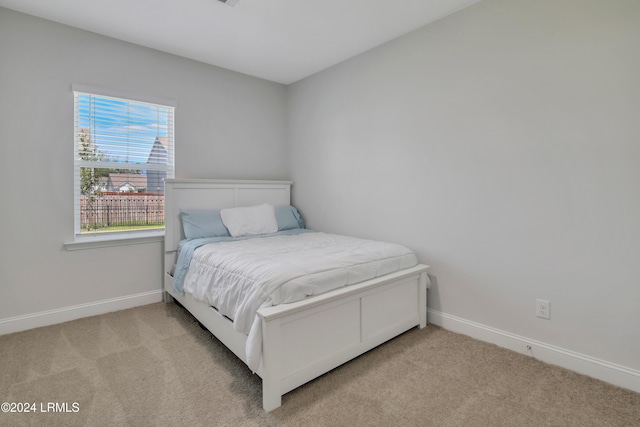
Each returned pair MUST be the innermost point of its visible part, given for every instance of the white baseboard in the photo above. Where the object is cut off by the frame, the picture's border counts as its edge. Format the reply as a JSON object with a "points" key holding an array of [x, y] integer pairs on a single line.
{"points": [[606, 371], [65, 314]]}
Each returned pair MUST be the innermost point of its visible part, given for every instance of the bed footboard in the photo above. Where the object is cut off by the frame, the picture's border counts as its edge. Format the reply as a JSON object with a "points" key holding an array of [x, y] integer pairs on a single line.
{"points": [[304, 340]]}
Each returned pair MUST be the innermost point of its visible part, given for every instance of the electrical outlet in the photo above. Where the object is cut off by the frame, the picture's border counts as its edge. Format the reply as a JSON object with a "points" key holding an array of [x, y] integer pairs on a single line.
{"points": [[543, 309]]}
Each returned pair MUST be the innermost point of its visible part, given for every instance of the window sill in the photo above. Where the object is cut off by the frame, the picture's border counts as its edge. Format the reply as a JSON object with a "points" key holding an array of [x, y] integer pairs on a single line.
{"points": [[105, 241]]}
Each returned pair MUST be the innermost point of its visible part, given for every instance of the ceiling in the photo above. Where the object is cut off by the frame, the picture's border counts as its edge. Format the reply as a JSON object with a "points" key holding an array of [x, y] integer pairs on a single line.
{"points": [[278, 40]]}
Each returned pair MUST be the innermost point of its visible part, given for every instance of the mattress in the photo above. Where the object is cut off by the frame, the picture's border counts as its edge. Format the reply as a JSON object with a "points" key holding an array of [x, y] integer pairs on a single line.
{"points": [[240, 277]]}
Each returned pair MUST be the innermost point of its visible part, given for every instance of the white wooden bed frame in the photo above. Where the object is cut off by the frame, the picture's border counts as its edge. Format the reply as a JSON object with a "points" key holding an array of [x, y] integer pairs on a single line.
{"points": [[306, 339]]}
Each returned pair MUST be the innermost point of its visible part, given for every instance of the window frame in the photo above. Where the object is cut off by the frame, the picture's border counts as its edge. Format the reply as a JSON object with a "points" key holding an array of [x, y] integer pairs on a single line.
{"points": [[121, 237]]}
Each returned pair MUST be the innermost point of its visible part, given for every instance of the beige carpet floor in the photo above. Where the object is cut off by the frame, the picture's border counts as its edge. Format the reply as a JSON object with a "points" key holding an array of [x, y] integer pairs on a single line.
{"points": [[154, 366]]}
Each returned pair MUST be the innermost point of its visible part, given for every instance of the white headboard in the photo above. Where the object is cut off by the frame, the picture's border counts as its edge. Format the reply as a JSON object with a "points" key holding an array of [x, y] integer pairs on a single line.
{"points": [[215, 194]]}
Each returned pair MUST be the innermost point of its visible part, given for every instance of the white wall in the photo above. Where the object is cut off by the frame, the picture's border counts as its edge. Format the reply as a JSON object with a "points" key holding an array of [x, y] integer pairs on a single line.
{"points": [[502, 144], [227, 125]]}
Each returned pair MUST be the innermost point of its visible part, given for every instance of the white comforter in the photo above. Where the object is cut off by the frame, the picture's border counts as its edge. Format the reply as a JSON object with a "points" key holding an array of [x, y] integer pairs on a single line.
{"points": [[239, 277]]}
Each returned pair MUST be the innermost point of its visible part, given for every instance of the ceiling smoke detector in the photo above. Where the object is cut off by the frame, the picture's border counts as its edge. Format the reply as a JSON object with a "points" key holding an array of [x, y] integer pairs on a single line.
{"points": [[231, 3]]}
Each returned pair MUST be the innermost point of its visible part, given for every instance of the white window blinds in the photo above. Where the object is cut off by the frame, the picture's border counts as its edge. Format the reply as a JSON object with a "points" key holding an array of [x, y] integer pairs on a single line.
{"points": [[123, 152]]}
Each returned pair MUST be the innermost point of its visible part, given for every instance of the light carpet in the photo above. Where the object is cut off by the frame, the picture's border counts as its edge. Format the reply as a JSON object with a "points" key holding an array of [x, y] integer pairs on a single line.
{"points": [[154, 366]]}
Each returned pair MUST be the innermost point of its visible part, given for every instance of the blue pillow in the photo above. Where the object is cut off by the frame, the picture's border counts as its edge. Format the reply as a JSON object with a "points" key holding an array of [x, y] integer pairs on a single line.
{"points": [[288, 218], [198, 223]]}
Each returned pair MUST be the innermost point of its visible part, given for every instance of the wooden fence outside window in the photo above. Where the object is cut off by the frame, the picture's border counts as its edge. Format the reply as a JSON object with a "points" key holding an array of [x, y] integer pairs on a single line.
{"points": [[122, 210]]}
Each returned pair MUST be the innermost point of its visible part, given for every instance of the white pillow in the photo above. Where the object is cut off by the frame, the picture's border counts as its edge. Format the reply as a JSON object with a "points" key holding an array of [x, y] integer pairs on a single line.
{"points": [[250, 220]]}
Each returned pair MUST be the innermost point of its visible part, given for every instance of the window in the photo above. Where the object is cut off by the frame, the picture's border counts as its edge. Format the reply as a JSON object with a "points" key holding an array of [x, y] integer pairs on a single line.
{"points": [[123, 151]]}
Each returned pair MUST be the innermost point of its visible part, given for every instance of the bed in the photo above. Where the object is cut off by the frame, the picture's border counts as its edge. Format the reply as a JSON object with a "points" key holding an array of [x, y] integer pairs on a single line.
{"points": [[301, 340]]}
